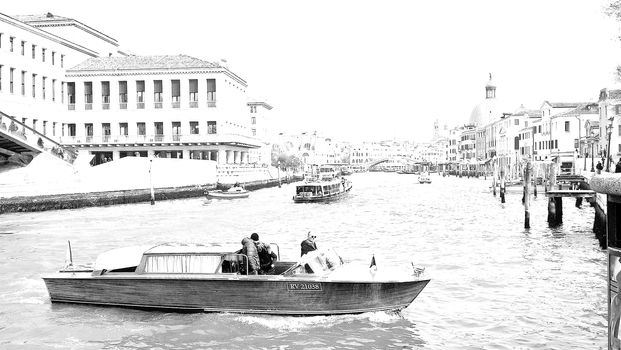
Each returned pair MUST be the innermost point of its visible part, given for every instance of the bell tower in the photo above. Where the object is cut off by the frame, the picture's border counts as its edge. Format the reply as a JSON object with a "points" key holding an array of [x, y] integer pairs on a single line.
{"points": [[490, 88]]}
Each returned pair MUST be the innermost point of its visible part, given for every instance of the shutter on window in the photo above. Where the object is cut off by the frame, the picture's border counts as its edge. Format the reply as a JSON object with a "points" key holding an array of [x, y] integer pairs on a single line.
{"points": [[193, 85], [140, 86], [176, 88], [157, 86]]}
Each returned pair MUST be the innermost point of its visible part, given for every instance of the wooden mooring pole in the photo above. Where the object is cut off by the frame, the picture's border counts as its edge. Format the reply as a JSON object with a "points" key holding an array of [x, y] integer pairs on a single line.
{"points": [[527, 170], [502, 186], [555, 204]]}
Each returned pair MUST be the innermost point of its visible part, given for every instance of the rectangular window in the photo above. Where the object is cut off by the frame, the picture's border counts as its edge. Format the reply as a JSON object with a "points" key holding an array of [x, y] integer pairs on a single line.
{"points": [[88, 130], [88, 95], [42, 55], [140, 94], [194, 128], [122, 94], [517, 122], [253, 120], [105, 132], [159, 131], [176, 93], [62, 61], [34, 49], [11, 74], [34, 84], [11, 40], [157, 93], [567, 126], [555, 143], [23, 48], [193, 93], [1, 68], [142, 129], [53, 57], [211, 127], [176, 131], [123, 129], [211, 92], [71, 129], [71, 95], [105, 95], [62, 92], [43, 81], [53, 89], [23, 83], [539, 129]]}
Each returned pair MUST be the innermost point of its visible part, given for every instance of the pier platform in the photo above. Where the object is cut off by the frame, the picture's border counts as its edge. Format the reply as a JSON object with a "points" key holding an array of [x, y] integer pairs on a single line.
{"points": [[571, 193]]}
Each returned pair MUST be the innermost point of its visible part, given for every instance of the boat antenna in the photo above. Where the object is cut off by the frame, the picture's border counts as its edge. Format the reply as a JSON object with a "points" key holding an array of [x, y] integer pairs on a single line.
{"points": [[70, 253]]}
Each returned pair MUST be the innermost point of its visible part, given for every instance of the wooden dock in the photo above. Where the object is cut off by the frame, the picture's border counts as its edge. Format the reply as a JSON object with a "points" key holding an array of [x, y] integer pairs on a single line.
{"points": [[571, 193]]}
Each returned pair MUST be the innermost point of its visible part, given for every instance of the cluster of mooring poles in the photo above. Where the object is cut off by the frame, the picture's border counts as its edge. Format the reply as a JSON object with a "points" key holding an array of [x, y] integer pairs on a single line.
{"points": [[577, 189]]}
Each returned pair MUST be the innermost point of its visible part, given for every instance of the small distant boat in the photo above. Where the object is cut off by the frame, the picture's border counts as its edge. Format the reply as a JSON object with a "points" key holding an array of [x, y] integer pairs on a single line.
{"points": [[192, 277], [231, 193], [346, 171], [424, 178], [327, 185], [407, 171]]}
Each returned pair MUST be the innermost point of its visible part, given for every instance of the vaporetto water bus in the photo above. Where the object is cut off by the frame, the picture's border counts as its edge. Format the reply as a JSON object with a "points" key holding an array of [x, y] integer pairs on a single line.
{"points": [[324, 186]]}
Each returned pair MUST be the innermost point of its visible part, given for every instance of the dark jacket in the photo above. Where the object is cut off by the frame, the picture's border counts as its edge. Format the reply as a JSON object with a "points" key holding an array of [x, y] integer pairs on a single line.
{"points": [[250, 250], [266, 259], [308, 246], [618, 167]]}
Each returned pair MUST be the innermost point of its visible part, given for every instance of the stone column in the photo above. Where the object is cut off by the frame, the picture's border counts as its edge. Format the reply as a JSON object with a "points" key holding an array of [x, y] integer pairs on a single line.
{"points": [[221, 156], [116, 155], [236, 158], [186, 153]]}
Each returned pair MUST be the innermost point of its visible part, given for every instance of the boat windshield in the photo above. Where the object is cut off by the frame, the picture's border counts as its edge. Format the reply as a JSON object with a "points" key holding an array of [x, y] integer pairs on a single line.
{"points": [[318, 262]]}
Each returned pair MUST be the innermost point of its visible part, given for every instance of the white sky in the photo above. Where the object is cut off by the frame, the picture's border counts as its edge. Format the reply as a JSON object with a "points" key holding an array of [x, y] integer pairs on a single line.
{"points": [[372, 70]]}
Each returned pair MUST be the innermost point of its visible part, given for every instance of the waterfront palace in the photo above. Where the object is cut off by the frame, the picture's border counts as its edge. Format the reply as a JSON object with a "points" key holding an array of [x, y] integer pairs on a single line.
{"points": [[74, 85]]}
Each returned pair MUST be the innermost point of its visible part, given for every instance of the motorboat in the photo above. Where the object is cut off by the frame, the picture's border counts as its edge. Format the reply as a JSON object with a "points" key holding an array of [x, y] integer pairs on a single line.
{"points": [[327, 185], [424, 178], [193, 277], [231, 193]]}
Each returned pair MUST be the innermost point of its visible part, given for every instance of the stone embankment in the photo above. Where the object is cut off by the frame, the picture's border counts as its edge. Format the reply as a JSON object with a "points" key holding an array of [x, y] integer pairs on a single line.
{"points": [[96, 199]]}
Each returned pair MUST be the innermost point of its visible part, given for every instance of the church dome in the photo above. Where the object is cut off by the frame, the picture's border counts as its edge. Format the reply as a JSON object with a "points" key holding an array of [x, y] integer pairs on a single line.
{"points": [[485, 112], [490, 109]]}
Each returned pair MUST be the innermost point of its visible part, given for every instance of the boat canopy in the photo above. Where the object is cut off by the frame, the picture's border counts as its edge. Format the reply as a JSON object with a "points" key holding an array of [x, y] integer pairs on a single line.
{"points": [[127, 257]]}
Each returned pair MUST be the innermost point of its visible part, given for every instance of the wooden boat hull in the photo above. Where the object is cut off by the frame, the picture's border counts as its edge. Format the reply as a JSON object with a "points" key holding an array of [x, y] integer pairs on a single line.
{"points": [[223, 195], [242, 294]]}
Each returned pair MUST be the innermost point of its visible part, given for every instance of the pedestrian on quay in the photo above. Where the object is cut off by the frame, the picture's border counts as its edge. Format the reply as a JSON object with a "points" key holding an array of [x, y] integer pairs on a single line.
{"points": [[308, 245], [618, 166], [599, 167]]}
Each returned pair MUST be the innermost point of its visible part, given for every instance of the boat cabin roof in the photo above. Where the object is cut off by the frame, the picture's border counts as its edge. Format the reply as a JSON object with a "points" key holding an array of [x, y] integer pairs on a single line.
{"points": [[125, 257]]}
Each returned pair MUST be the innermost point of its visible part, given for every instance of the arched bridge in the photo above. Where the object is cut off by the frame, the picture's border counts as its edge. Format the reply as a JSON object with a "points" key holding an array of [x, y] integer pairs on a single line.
{"points": [[408, 161]]}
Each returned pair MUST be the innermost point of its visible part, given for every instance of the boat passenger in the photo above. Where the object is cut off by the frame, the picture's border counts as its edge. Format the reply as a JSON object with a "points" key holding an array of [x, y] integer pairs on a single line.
{"points": [[250, 250], [308, 245], [266, 256]]}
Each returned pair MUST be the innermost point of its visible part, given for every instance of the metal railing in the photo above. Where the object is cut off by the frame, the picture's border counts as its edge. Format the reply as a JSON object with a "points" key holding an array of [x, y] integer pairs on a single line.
{"points": [[123, 105], [176, 104], [32, 137], [164, 138]]}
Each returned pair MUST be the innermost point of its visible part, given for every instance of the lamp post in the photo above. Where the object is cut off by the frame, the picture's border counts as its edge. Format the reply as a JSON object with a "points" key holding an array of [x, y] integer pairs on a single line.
{"points": [[609, 131], [592, 155]]}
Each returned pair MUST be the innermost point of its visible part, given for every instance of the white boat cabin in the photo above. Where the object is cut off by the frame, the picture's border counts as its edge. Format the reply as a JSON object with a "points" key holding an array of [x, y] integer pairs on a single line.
{"points": [[175, 259]]}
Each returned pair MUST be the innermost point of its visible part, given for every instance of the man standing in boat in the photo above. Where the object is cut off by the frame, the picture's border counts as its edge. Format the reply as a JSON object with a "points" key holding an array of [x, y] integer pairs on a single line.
{"points": [[250, 250], [308, 245]]}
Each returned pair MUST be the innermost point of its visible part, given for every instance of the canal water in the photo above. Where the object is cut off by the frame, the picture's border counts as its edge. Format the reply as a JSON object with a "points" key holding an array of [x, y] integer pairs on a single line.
{"points": [[494, 285]]}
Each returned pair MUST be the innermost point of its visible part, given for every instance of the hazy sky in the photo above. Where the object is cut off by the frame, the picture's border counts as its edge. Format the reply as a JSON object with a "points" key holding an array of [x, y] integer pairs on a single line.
{"points": [[373, 69]]}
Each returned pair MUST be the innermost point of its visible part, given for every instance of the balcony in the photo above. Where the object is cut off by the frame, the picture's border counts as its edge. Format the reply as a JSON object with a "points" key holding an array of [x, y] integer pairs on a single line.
{"points": [[193, 104], [88, 106], [123, 105], [157, 105], [176, 104], [140, 105], [71, 106], [211, 103], [105, 106]]}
